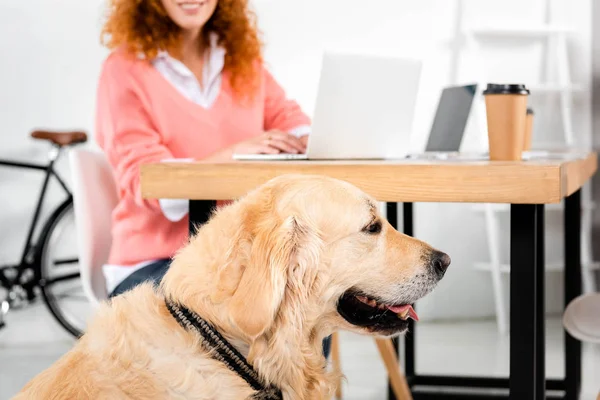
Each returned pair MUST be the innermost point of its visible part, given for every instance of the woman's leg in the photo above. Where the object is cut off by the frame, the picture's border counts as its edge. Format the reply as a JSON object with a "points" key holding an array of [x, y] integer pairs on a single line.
{"points": [[151, 272], [327, 346]]}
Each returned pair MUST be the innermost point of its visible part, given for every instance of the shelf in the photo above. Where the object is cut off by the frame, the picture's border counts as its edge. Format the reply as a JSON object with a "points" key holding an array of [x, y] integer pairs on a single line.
{"points": [[548, 207], [544, 88], [550, 267], [523, 32]]}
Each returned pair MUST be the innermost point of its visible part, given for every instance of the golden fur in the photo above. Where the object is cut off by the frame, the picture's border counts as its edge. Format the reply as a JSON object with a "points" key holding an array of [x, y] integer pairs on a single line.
{"points": [[267, 271]]}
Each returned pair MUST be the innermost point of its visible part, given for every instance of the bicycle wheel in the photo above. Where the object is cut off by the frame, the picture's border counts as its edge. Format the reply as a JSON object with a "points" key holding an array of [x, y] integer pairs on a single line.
{"points": [[59, 271]]}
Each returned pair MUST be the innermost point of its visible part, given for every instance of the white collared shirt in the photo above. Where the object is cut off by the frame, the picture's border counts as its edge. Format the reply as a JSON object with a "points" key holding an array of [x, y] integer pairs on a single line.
{"points": [[206, 93], [186, 82]]}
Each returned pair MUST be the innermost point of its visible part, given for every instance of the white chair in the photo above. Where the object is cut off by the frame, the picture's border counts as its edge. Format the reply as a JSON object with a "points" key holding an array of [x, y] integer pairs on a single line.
{"points": [[582, 319], [94, 198]]}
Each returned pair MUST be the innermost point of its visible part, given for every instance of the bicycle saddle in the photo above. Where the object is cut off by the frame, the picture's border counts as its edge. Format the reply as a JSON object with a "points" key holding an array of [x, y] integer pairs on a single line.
{"points": [[60, 138]]}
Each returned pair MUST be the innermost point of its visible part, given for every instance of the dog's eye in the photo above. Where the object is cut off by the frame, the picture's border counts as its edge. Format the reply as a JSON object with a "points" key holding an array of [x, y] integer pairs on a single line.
{"points": [[373, 228]]}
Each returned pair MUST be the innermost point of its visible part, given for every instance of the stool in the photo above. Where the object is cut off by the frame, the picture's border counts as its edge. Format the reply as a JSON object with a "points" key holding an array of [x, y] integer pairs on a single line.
{"points": [[582, 319], [388, 355]]}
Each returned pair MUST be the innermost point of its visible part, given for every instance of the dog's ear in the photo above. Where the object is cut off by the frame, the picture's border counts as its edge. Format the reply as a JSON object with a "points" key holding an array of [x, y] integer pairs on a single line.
{"points": [[273, 252]]}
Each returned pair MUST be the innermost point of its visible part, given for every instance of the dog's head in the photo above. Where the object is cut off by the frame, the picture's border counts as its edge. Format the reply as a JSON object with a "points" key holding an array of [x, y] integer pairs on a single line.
{"points": [[314, 253]]}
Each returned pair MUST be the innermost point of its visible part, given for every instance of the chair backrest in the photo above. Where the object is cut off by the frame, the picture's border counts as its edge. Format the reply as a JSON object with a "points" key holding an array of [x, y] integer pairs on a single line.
{"points": [[94, 198]]}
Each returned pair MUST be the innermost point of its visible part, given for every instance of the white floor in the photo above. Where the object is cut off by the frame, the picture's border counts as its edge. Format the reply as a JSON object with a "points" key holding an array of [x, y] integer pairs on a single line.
{"points": [[32, 341]]}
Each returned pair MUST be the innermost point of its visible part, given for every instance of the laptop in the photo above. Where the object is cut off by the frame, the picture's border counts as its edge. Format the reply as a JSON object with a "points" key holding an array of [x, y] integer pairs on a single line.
{"points": [[364, 109], [450, 122]]}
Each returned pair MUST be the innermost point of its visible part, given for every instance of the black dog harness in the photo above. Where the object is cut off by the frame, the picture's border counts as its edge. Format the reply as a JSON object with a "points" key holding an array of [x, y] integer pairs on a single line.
{"points": [[223, 351]]}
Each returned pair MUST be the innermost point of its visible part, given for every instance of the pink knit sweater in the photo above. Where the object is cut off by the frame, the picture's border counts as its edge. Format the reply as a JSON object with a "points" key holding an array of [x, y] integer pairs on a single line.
{"points": [[141, 118]]}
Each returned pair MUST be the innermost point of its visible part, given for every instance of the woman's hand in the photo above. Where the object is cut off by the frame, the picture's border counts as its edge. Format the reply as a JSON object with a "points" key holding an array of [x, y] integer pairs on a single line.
{"points": [[304, 140], [271, 142]]}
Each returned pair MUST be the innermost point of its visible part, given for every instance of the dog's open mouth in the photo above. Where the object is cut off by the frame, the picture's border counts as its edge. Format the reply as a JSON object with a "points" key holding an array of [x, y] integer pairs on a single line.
{"points": [[375, 315]]}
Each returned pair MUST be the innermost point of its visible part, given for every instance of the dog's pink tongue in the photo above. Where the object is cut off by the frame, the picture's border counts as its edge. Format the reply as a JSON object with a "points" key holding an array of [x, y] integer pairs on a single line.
{"points": [[400, 309]]}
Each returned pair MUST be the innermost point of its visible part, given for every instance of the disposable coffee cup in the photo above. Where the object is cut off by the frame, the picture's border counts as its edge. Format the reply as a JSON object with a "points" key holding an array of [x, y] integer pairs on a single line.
{"points": [[506, 110], [528, 130]]}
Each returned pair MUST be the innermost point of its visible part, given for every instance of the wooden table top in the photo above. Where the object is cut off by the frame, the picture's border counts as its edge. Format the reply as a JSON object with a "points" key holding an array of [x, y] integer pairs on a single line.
{"points": [[527, 182]]}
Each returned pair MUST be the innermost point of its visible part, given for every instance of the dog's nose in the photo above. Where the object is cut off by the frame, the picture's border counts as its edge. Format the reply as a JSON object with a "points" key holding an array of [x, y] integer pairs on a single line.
{"points": [[440, 262]]}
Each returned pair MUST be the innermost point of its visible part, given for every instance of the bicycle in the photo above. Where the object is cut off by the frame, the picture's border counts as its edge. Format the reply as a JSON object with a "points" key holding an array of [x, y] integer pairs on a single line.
{"points": [[43, 267]]}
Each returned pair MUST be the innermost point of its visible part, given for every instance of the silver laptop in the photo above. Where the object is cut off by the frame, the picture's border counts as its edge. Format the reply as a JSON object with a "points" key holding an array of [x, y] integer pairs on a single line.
{"points": [[364, 109], [450, 122]]}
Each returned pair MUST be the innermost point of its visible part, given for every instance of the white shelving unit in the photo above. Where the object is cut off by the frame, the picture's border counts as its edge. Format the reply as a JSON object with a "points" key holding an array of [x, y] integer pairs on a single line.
{"points": [[506, 207], [554, 38], [530, 32], [550, 267]]}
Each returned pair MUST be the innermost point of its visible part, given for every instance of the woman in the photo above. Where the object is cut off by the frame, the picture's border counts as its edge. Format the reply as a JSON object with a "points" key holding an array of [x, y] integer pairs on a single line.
{"points": [[185, 80]]}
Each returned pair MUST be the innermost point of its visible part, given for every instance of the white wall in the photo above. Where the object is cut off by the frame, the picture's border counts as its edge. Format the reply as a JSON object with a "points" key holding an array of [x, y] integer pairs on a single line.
{"points": [[50, 59]]}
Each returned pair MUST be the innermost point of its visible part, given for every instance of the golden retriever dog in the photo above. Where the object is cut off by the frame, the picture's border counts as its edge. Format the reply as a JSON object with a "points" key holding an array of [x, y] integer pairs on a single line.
{"points": [[274, 273]]}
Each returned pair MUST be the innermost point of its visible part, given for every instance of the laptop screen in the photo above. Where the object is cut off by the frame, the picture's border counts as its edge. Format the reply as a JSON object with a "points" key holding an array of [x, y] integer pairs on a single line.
{"points": [[451, 118]]}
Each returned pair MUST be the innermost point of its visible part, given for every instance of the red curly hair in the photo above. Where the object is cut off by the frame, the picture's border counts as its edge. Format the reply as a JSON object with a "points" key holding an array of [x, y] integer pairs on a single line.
{"points": [[144, 26]]}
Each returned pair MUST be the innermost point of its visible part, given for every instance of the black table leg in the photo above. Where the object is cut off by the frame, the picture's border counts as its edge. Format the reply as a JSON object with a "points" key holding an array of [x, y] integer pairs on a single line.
{"points": [[392, 217], [200, 211], [409, 351], [409, 338], [527, 332], [540, 326], [573, 288]]}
